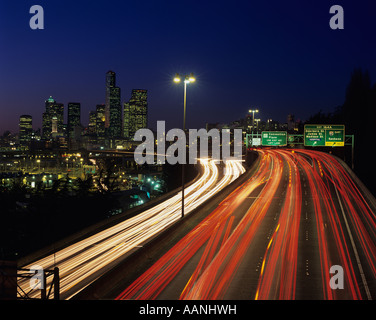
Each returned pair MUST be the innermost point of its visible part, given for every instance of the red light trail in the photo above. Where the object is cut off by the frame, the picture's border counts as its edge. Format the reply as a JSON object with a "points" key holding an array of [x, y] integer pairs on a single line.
{"points": [[322, 216]]}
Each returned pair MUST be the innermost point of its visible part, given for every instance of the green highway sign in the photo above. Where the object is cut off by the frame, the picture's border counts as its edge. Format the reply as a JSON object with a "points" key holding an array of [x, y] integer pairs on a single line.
{"points": [[252, 140], [324, 135], [274, 138], [256, 141]]}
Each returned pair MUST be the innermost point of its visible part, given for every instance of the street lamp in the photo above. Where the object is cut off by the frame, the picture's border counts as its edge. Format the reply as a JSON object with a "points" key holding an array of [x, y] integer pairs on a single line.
{"points": [[253, 117], [187, 79], [38, 161], [257, 124]]}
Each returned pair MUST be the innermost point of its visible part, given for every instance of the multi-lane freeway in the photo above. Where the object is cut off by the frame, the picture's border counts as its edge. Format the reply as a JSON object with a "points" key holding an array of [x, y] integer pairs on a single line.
{"points": [[83, 262], [299, 228]]}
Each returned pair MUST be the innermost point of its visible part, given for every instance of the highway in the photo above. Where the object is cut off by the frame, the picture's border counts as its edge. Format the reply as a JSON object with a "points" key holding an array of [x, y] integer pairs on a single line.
{"points": [[276, 237], [83, 262]]}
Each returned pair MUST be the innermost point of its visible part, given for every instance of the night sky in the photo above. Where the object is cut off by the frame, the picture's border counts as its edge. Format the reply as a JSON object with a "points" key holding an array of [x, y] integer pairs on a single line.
{"points": [[279, 56]]}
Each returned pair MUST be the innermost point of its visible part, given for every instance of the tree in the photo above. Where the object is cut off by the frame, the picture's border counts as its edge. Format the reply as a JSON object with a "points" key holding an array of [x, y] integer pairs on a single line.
{"points": [[359, 116], [357, 106], [107, 180]]}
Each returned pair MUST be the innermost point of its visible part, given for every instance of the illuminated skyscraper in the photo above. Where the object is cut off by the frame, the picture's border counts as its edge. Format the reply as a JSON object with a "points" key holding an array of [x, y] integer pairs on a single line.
{"points": [[92, 122], [46, 125], [110, 83], [74, 117], [114, 130], [54, 114], [135, 113], [100, 121], [112, 106], [26, 129]]}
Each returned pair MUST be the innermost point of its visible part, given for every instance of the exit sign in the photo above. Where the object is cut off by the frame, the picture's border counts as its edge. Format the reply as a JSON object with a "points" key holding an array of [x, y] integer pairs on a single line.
{"points": [[274, 138], [324, 135]]}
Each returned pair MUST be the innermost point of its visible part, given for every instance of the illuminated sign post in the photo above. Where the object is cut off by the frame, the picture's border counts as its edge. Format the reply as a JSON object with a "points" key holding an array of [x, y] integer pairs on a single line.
{"points": [[274, 138], [324, 135], [252, 140]]}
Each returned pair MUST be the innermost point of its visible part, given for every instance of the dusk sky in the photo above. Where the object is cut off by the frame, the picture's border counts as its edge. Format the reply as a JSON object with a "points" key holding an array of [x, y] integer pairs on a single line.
{"points": [[279, 56]]}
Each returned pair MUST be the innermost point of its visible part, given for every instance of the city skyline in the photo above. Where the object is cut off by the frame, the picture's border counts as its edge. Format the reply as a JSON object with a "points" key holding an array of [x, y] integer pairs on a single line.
{"points": [[129, 116], [114, 108], [282, 57], [201, 150], [110, 120]]}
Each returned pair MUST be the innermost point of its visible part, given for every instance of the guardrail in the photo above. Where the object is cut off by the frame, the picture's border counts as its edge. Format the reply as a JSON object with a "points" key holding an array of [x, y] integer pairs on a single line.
{"points": [[11, 277]]}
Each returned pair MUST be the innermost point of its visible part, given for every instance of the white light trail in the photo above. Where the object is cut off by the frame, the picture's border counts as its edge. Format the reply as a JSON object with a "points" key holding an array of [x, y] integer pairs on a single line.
{"points": [[83, 262]]}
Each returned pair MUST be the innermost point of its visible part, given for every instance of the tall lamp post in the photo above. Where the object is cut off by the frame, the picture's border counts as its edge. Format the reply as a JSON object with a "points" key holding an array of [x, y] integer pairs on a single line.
{"points": [[253, 121], [253, 117], [187, 79]]}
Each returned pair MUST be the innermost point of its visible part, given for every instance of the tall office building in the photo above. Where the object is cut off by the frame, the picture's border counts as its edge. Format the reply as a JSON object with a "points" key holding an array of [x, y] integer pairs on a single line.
{"points": [[135, 113], [114, 129], [26, 129], [113, 106], [53, 118], [92, 129], [46, 125], [110, 83], [74, 118], [100, 121]]}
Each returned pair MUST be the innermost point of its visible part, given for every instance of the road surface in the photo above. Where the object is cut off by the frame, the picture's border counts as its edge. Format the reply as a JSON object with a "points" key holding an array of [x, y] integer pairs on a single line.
{"points": [[300, 228]]}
